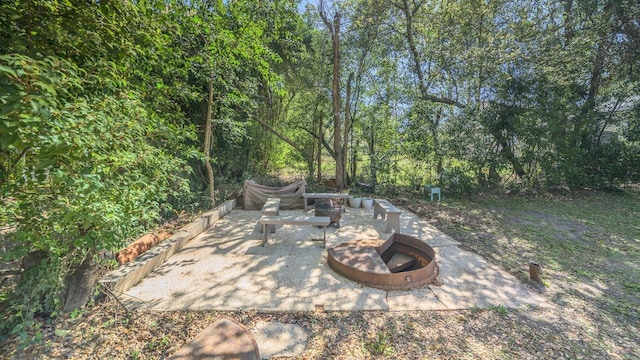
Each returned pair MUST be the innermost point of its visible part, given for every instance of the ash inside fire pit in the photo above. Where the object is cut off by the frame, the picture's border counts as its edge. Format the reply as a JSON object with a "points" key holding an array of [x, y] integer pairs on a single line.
{"points": [[330, 208], [399, 263]]}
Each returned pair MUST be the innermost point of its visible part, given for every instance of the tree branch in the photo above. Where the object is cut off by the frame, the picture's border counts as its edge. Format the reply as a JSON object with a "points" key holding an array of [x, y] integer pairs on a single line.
{"points": [[326, 145], [417, 64], [278, 134], [22, 155], [323, 16]]}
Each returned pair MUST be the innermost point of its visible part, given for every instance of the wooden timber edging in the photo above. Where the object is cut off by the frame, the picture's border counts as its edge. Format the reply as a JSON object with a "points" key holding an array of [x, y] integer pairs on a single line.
{"points": [[126, 276]]}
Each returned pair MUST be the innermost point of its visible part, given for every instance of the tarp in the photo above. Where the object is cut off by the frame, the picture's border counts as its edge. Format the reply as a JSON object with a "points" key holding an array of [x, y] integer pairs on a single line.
{"points": [[255, 195]]}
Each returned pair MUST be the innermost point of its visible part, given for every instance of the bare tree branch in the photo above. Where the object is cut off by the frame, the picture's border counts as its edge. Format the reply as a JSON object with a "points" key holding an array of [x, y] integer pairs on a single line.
{"points": [[326, 145], [278, 134], [323, 15]]}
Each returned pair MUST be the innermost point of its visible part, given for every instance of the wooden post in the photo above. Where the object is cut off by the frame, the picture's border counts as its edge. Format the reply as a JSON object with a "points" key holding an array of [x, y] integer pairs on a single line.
{"points": [[534, 271]]}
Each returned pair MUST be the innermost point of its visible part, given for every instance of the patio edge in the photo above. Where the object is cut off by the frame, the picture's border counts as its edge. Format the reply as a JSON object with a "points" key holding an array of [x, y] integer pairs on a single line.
{"points": [[126, 276]]}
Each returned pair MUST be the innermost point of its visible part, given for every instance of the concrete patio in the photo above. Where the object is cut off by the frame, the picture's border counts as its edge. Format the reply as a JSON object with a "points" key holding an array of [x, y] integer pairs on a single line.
{"points": [[225, 268]]}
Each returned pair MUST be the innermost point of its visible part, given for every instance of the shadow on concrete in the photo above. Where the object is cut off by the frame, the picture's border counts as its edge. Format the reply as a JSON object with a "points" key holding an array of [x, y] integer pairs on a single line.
{"points": [[225, 268]]}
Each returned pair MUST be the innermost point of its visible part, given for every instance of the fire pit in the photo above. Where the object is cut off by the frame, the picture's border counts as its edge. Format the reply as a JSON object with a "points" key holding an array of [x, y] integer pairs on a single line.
{"points": [[330, 208], [399, 263]]}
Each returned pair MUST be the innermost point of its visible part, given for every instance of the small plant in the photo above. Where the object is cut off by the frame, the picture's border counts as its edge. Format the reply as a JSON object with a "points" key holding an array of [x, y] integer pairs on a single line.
{"points": [[109, 323], [381, 345], [500, 310], [152, 345], [158, 344], [164, 342], [75, 313], [135, 355]]}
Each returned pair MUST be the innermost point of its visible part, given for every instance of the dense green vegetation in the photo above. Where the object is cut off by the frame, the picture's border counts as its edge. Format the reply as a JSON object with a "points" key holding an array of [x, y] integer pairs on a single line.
{"points": [[115, 115]]}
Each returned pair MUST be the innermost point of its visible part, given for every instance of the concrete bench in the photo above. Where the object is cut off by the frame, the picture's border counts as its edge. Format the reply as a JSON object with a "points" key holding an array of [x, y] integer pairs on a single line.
{"points": [[294, 220], [386, 209], [271, 208], [337, 196]]}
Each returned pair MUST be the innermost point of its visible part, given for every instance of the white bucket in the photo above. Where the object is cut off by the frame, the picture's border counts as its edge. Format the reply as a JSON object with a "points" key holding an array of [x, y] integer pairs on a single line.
{"points": [[367, 203]]}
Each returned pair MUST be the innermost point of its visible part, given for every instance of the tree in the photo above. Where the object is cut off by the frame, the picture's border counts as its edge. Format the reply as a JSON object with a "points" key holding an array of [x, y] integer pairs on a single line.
{"points": [[334, 31]]}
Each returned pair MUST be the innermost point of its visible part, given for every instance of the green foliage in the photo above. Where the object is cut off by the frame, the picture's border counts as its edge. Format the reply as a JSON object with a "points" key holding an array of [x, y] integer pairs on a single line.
{"points": [[380, 346], [155, 344], [87, 160], [135, 355], [458, 181], [37, 293], [499, 309], [236, 46], [103, 107], [101, 104], [82, 171], [495, 87], [75, 313]]}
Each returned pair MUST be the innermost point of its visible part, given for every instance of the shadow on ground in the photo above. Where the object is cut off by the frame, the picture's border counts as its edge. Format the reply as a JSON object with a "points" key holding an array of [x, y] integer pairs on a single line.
{"points": [[225, 268]]}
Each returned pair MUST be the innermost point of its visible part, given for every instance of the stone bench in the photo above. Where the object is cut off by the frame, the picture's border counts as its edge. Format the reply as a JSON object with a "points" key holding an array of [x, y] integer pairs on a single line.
{"points": [[336, 196], [386, 209], [225, 339], [271, 208], [322, 221]]}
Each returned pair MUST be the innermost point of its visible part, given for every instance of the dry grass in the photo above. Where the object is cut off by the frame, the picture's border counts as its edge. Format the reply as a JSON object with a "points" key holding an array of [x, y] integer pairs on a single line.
{"points": [[589, 247]]}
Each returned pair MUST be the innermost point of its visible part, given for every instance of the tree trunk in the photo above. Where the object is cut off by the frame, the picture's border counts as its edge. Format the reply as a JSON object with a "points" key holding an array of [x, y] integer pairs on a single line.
{"points": [[583, 128], [435, 124], [208, 139], [319, 154], [354, 158], [507, 152], [337, 134], [372, 161], [347, 128], [80, 285], [568, 26], [314, 130], [338, 153], [416, 57]]}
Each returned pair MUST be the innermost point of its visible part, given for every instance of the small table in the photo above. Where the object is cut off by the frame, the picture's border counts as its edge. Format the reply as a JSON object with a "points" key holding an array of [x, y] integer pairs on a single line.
{"points": [[324, 196]]}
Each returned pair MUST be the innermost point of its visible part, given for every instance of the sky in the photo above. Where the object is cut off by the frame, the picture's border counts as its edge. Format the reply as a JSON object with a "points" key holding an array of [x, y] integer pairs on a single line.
{"points": [[303, 4]]}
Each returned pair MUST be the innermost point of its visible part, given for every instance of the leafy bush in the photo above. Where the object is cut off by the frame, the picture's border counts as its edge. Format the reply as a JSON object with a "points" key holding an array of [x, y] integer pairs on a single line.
{"points": [[82, 171], [604, 167], [457, 181]]}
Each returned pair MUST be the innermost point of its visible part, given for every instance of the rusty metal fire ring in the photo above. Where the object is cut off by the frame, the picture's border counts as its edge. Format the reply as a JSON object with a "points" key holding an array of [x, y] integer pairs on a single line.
{"points": [[401, 262]]}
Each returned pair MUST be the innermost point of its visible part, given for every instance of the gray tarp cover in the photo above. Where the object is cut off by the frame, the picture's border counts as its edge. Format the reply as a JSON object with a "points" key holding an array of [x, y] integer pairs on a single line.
{"points": [[255, 195]]}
